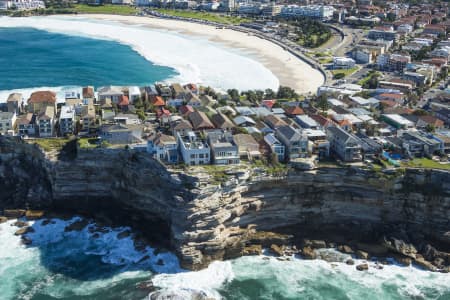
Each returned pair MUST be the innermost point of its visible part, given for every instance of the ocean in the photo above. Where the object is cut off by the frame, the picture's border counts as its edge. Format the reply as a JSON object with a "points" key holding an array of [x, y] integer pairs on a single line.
{"points": [[170, 56], [36, 58], [88, 265]]}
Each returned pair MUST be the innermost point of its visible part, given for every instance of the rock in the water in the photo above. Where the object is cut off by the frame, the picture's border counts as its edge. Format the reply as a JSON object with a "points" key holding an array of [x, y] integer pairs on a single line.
{"points": [[425, 264], [160, 262], [24, 230], [45, 222], [277, 250], [362, 254], [20, 224], [26, 240], [362, 267], [345, 249], [403, 260], [350, 262], [399, 246], [308, 253], [439, 262], [3, 219], [124, 234], [77, 225], [14, 213], [34, 214], [317, 244], [252, 250]]}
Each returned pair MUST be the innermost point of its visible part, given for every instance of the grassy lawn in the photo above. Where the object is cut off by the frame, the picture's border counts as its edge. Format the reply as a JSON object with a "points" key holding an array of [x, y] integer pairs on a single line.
{"points": [[104, 9], [346, 72], [88, 143], [203, 16], [49, 144], [367, 78], [426, 163]]}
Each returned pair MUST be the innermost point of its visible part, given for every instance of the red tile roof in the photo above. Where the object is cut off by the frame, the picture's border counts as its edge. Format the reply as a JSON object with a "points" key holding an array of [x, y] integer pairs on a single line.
{"points": [[42, 96], [158, 101], [124, 101], [294, 110], [269, 103]]}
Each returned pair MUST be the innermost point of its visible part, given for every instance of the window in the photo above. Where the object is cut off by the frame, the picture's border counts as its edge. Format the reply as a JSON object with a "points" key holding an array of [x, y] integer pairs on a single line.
{"points": [[192, 155], [200, 155]]}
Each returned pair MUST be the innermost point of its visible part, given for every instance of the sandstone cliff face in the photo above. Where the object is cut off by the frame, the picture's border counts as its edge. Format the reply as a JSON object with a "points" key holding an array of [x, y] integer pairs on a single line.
{"points": [[208, 222], [222, 221]]}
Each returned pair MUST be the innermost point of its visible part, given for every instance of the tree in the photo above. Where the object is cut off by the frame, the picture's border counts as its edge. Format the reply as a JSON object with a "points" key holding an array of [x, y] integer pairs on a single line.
{"points": [[269, 94], [234, 94], [322, 103], [429, 128], [285, 92]]}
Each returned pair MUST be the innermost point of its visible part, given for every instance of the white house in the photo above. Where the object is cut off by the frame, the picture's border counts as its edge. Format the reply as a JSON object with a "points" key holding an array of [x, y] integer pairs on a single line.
{"points": [[66, 120], [194, 150], [163, 147], [7, 122], [343, 63], [275, 145]]}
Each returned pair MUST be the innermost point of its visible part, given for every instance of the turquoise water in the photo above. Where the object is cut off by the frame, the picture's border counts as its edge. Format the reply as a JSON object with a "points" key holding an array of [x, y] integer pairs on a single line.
{"points": [[35, 58], [82, 265]]}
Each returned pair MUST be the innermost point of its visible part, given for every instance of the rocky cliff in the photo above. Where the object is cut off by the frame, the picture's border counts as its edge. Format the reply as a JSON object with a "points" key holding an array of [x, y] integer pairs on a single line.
{"points": [[204, 222]]}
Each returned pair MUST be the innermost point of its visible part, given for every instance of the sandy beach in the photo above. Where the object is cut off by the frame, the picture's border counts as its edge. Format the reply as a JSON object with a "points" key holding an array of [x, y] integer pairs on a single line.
{"points": [[290, 70]]}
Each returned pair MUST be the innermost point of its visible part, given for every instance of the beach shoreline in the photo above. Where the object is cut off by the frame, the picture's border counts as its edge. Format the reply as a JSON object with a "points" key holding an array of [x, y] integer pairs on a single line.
{"points": [[289, 69]]}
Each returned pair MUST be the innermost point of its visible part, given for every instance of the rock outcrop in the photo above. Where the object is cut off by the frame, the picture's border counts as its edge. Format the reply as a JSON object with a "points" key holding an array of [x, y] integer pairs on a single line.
{"points": [[203, 222]]}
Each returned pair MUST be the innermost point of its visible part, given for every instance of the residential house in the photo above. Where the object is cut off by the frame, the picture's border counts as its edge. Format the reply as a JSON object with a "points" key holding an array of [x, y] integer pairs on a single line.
{"points": [[248, 147], [193, 100], [123, 103], [88, 94], [343, 144], [200, 121], [14, 103], [221, 121], [178, 92], [274, 121], [295, 142], [207, 100], [293, 111], [185, 110], [194, 150], [419, 144], [134, 93], [276, 146], [306, 121], [45, 121], [343, 63], [111, 94], [40, 100], [244, 121], [182, 126], [163, 147], [26, 125], [121, 134], [444, 115], [127, 119], [7, 122], [397, 121], [429, 121], [67, 120], [158, 101], [224, 150]]}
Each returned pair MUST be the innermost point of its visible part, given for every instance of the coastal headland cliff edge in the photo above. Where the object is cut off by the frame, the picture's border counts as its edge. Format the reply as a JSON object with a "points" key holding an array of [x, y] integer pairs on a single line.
{"points": [[406, 214]]}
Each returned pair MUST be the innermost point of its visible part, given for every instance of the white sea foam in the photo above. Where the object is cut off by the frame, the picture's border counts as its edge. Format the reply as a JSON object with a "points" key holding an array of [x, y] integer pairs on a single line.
{"points": [[196, 60], [24, 274]]}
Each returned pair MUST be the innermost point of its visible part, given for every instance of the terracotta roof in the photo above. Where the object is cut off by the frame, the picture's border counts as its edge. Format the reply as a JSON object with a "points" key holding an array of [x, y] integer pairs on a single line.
{"points": [[124, 101], [185, 110], [269, 103], [163, 112], [42, 96], [391, 96], [388, 103], [158, 101], [432, 121], [344, 122], [294, 110], [88, 92]]}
